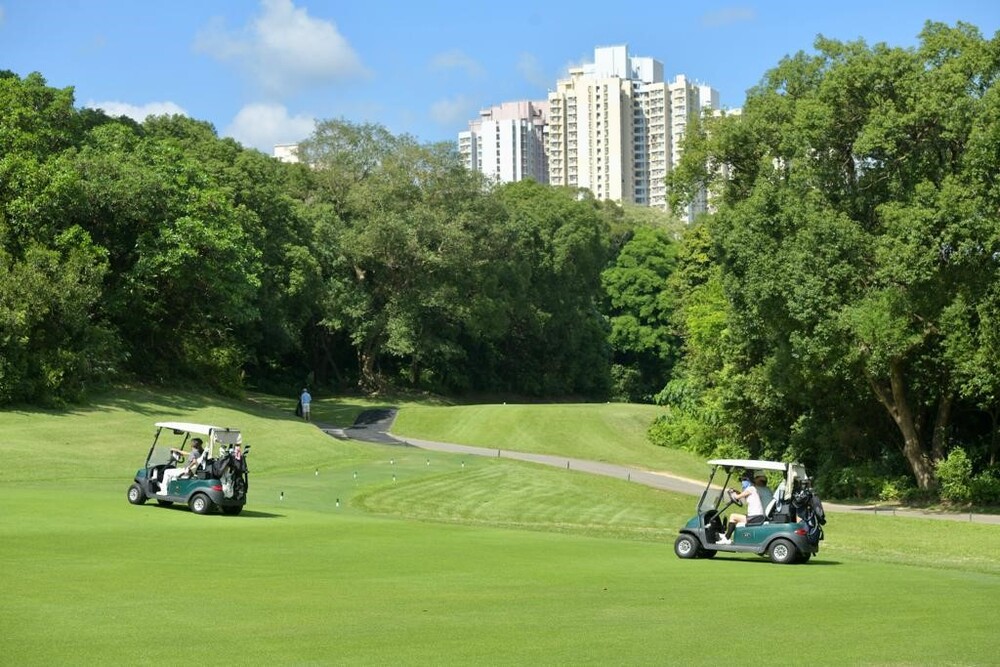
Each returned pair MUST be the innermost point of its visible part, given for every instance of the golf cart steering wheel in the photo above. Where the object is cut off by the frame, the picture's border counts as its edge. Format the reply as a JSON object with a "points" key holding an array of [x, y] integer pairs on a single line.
{"points": [[732, 497]]}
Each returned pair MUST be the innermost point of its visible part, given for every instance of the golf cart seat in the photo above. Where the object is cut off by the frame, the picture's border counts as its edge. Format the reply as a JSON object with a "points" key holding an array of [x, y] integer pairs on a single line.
{"points": [[201, 468], [777, 510]]}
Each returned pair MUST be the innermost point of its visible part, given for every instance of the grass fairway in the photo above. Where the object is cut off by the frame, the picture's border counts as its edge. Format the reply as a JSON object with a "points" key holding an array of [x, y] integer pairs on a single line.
{"points": [[389, 555], [608, 432]]}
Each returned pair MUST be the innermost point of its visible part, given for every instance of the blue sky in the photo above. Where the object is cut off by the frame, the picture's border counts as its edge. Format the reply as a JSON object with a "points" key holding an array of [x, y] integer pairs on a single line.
{"points": [[262, 71]]}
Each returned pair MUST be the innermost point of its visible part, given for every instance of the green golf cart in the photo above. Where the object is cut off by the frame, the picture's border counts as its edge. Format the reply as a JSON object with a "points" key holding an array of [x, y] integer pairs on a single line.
{"points": [[793, 519], [217, 479]]}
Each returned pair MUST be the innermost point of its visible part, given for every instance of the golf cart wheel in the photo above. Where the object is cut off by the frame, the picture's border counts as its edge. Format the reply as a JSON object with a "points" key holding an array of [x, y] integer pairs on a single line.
{"points": [[232, 510], [686, 546], [783, 552], [804, 557], [200, 504], [136, 495]]}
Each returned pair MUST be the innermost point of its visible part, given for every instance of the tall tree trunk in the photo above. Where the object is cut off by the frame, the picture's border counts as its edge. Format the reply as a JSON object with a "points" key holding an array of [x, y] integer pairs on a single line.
{"points": [[940, 437], [367, 379], [993, 436], [899, 409]]}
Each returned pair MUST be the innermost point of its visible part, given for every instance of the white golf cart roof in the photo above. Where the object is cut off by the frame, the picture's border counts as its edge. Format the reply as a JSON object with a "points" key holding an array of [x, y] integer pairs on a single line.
{"points": [[795, 472], [221, 434], [752, 463]]}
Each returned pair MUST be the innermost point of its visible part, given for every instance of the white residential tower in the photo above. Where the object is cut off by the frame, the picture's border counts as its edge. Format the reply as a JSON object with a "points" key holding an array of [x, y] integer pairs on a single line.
{"points": [[507, 142]]}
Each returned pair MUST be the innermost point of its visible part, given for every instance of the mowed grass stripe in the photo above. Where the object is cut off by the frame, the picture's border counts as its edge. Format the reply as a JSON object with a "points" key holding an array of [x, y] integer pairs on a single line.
{"points": [[524, 495]]}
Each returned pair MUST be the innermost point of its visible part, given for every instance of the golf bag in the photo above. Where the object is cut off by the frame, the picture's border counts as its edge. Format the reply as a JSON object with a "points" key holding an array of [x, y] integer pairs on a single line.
{"points": [[810, 511], [231, 469]]}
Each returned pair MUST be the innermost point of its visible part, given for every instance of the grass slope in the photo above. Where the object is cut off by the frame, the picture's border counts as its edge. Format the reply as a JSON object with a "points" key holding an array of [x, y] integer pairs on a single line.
{"points": [[609, 432], [363, 554]]}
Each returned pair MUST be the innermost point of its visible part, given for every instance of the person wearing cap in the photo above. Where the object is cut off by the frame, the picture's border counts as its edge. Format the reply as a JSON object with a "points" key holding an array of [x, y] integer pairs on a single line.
{"points": [[193, 459], [757, 497], [304, 400]]}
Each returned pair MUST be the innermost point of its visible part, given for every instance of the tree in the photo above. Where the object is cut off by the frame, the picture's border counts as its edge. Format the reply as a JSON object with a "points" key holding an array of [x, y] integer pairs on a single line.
{"points": [[52, 344], [855, 223], [641, 309], [184, 255], [404, 237], [557, 339]]}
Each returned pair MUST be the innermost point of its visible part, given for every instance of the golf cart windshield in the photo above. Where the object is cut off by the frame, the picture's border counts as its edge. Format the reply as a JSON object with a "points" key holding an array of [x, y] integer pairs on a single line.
{"points": [[711, 497]]}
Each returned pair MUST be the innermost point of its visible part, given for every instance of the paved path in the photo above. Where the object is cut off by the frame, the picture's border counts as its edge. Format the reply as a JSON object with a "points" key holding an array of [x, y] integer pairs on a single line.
{"points": [[375, 426]]}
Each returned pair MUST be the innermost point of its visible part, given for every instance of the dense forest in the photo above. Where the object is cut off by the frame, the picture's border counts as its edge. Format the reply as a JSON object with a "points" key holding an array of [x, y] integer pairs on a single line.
{"points": [[840, 305]]}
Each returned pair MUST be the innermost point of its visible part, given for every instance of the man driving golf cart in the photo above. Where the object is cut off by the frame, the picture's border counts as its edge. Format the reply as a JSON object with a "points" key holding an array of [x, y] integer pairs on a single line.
{"points": [[215, 476], [783, 525]]}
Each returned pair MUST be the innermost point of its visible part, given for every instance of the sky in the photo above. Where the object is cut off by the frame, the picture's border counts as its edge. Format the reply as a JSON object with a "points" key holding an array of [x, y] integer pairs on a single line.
{"points": [[264, 71]]}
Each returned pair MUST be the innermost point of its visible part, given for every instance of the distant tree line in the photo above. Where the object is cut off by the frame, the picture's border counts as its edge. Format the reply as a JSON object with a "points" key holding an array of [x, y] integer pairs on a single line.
{"points": [[840, 306], [160, 252]]}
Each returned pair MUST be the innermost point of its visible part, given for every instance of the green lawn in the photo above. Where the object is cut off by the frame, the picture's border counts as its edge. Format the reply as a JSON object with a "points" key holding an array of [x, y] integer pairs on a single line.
{"points": [[609, 432], [353, 554]]}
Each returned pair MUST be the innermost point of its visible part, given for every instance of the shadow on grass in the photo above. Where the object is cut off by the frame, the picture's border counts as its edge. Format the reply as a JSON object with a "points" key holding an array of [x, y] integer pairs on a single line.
{"points": [[156, 401], [245, 514], [138, 401], [764, 561], [250, 514]]}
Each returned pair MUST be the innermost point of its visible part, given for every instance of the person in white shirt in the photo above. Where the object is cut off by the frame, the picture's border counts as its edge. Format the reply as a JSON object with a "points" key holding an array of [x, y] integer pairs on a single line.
{"points": [[193, 459], [757, 497]]}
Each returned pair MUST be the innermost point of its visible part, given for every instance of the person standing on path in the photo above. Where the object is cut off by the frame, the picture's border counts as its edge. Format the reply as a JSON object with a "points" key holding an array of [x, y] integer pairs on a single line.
{"points": [[304, 400]]}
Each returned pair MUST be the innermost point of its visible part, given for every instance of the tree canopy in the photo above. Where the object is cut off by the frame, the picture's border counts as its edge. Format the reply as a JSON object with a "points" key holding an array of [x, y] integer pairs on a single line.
{"points": [[859, 245]]}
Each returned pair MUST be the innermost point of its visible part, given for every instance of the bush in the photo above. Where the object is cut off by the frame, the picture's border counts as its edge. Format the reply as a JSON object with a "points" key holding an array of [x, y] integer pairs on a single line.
{"points": [[954, 474], [626, 385], [858, 482], [896, 489], [730, 450], [986, 488], [682, 429]]}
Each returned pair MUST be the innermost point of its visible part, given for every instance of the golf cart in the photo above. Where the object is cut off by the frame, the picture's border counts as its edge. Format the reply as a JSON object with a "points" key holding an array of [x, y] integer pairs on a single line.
{"points": [[218, 478], [791, 530]]}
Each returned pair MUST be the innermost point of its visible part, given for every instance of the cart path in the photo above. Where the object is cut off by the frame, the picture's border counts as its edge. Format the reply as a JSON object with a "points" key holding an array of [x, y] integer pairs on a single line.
{"points": [[375, 426]]}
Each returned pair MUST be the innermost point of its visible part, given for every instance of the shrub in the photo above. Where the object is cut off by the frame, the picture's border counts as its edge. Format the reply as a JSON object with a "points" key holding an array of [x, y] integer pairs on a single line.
{"points": [[626, 384], [954, 474], [679, 429], [895, 489], [859, 482], [986, 488]]}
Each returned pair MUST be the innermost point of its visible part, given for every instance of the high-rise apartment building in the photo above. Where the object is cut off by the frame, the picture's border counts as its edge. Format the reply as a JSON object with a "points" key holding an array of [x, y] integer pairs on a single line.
{"points": [[615, 127], [687, 100], [592, 118], [507, 142], [287, 152]]}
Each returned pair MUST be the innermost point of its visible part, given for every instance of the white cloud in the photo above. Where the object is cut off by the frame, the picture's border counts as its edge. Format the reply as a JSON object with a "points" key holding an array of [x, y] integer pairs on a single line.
{"points": [[728, 16], [262, 126], [284, 50], [457, 60], [527, 65], [136, 112], [1, 15], [449, 112], [573, 64]]}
